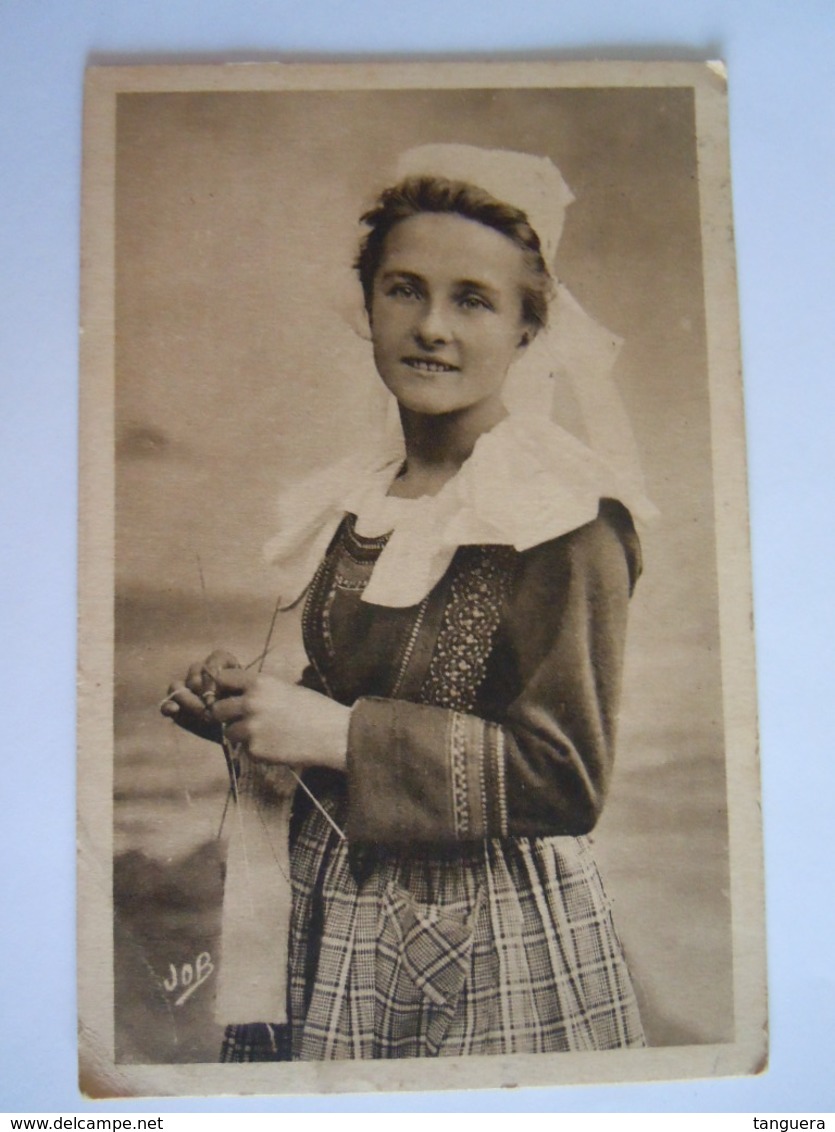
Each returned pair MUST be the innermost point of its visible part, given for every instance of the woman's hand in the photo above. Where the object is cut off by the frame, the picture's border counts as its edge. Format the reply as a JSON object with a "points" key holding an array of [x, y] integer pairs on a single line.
{"points": [[189, 702], [279, 722]]}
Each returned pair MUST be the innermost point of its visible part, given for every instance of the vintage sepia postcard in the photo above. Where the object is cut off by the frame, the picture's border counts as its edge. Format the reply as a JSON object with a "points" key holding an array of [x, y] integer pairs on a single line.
{"points": [[417, 713]]}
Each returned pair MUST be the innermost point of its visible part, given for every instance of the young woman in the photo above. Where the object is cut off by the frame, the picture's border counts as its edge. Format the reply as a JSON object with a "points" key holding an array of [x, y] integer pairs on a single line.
{"points": [[465, 615]]}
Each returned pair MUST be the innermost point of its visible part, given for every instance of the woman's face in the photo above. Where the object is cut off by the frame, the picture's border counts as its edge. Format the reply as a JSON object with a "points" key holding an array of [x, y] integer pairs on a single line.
{"points": [[446, 312]]}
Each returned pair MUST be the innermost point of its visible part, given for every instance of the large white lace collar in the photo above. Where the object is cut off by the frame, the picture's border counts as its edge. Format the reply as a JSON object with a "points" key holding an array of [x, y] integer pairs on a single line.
{"points": [[526, 482]]}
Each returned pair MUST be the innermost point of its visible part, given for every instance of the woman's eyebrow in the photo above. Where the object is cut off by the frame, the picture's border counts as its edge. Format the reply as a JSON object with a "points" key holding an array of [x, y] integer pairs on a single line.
{"points": [[409, 276], [478, 285]]}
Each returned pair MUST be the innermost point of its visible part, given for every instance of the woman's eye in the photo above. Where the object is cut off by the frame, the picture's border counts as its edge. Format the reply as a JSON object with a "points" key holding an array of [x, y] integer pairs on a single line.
{"points": [[474, 301], [403, 291]]}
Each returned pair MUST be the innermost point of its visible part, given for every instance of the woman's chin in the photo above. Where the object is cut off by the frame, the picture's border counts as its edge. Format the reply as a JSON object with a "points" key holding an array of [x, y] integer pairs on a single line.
{"points": [[427, 404]]}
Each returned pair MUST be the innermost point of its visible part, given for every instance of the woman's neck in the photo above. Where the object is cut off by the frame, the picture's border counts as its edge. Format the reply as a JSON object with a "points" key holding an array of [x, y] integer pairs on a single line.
{"points": [[437, 446]]}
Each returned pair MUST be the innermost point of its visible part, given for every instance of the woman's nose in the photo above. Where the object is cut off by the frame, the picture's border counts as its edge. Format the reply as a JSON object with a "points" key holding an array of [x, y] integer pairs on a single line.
{"points": [[432, 328]]}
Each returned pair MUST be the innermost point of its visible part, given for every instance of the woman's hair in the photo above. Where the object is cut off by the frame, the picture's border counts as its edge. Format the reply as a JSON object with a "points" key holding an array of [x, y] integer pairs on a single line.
{"points": [[416, 195]]}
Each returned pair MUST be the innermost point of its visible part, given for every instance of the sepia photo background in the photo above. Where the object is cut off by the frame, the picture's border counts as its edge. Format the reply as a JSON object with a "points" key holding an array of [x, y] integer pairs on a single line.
{"points": [[237, 372]]}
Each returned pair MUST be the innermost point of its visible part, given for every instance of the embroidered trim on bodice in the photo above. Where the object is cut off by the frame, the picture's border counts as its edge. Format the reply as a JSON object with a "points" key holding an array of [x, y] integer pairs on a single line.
{"points": [[481, 577], [479, 588], [361, 549]]}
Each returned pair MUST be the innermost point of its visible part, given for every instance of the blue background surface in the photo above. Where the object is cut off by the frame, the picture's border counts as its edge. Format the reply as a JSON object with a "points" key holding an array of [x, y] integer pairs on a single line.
{"points": [[780, 63]]}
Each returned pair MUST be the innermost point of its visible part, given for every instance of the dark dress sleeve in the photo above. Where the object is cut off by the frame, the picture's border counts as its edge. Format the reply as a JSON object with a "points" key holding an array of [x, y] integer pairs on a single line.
{"points": [[536, 759]]}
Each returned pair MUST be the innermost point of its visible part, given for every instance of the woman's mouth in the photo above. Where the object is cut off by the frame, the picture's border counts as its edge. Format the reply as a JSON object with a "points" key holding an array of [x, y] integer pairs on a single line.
{"points": [[429, 365]]}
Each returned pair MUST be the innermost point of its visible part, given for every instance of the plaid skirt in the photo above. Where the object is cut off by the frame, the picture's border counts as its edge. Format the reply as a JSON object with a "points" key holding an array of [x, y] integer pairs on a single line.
{"points": [[502, 947]]}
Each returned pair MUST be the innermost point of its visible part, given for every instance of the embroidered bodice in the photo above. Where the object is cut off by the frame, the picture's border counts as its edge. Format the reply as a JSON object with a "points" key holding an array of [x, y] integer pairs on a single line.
{"points": [[489, 706]]}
